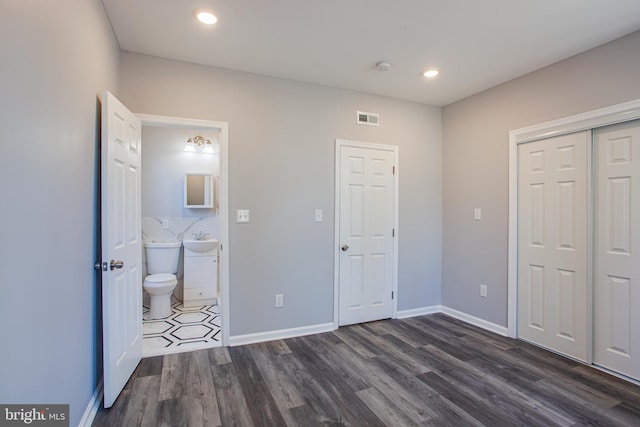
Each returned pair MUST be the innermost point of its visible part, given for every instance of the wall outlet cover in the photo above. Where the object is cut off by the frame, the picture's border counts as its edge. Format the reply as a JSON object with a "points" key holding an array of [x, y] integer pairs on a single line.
{"points": [[242, 215], [279, 300]]}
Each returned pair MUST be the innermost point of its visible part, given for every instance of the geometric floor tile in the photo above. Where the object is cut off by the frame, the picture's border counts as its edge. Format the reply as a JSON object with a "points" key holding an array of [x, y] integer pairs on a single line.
{"points": [[185, 329], [156, 327], [191, 332], [157, 342], [197, 317]]}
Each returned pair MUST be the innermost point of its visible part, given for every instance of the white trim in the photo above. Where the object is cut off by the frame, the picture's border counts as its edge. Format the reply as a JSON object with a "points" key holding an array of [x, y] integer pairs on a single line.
{"points": [[619, 113], [223, 140], [476, 321], [280, 334], [92, 407], [403, 314], [396, 214], [591, 119]]}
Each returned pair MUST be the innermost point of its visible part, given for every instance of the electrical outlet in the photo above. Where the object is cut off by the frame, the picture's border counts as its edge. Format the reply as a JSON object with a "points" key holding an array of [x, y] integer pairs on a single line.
{"points": [[242, 215], [165, 223], [477, 214], [279, 300], [483, 291]]}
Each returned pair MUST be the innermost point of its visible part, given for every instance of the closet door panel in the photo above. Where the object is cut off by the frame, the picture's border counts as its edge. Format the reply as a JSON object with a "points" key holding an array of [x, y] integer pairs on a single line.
{"points": [[552, 247], [617, 249]]}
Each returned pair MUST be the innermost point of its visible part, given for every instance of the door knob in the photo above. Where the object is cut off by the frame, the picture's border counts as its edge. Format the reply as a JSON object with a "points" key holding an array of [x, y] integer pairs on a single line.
{"points": [[116, 264], [344, 247]]}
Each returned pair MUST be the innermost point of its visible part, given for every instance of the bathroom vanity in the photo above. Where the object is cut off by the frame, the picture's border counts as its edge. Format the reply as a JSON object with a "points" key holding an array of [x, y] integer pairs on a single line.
{"points": [[200, 272]]}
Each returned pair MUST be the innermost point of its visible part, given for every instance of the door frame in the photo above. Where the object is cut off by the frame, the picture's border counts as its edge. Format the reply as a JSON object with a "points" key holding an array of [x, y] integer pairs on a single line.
{"points": [[223, 187], [336, 225], [614, 114]]}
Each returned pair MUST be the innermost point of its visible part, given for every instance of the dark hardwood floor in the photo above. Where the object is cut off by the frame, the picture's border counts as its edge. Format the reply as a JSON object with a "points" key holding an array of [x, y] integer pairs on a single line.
{"points": [[424, 371]]}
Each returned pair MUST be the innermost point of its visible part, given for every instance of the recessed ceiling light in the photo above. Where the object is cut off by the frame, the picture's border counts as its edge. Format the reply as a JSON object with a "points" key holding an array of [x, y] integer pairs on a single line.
{"points": [[431, 73], [205, 16]]}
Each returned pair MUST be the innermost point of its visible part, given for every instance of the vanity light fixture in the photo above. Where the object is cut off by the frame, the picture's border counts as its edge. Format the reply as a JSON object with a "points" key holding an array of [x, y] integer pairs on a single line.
{"points": [[199, 144], [431, 73], [208, 147], [205, 16]]}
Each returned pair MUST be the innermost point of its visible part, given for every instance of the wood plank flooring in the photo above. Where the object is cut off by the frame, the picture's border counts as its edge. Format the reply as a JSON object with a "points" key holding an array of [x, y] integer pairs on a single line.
{"points": [[424, 371]]}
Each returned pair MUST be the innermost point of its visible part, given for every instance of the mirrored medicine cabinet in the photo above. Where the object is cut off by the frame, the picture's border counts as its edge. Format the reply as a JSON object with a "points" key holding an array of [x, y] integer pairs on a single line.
{"points": [[198, 190]]}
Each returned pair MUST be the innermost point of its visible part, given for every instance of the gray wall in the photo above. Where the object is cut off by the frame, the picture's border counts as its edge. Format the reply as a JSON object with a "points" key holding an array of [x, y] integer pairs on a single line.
{"points": [[282, 168], [475, 162], [56, 58]]}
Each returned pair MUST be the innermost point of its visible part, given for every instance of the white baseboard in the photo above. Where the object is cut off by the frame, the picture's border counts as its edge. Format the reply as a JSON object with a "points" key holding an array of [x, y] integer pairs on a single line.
{"points": [[403, 314], [92, 407], [280, 334], [481, 323]]}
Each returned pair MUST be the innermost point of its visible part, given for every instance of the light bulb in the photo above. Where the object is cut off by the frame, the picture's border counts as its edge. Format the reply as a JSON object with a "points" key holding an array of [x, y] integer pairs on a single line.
{"points": [[205, 16]]}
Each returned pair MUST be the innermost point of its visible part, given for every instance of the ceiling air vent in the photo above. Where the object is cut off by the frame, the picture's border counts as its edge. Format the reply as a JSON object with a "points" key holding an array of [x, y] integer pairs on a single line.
{"points": [[370, 119]]}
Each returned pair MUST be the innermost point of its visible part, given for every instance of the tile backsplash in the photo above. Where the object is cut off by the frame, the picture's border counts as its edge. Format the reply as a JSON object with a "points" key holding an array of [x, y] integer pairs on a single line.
{"points": [[178, 228]]}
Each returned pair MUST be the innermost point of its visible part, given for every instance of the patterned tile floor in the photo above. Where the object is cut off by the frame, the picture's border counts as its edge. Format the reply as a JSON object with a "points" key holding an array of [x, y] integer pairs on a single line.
{"points": [[185, 329]]}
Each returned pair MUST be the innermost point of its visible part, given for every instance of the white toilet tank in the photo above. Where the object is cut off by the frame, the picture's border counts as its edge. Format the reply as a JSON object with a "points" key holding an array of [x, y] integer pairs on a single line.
{"points": [[162, 257]]}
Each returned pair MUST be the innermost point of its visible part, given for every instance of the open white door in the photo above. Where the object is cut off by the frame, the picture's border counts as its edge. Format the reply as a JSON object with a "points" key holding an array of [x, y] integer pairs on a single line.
{"points": [[121, 246], [366, 233]]}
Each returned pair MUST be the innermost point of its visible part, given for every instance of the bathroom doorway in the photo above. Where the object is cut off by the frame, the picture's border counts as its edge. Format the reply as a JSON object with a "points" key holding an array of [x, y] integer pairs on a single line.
{"points": [[166, 217]]}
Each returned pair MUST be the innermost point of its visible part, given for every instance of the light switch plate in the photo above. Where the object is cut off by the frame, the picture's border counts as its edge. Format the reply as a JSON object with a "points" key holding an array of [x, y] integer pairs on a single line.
{"points": [[477, 214], [242, 215], [318, 215], [483, 291]]}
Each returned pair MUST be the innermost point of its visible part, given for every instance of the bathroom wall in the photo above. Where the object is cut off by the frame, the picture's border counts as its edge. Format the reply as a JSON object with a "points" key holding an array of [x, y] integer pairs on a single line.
{"points": [[57, 57], [281, 166], [164, 165]]}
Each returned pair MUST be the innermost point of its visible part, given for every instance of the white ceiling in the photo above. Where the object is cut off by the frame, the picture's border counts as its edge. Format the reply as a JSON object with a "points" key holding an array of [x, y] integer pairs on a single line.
{"points": [[476, 44]]}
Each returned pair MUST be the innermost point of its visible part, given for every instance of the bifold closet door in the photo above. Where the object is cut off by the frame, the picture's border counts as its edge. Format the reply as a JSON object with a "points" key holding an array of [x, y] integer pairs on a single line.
{"points": [[617, 253], [552, 243]]}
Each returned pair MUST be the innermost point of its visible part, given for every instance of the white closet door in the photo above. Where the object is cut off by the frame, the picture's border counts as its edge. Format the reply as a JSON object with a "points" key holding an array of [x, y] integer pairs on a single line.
{"points": [[552, 243], [617, 254]]}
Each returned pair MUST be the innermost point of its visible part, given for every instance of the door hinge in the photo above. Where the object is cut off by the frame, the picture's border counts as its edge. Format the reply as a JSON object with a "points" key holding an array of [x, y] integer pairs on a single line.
{"points": [[391, 294], [393, 232], [394, 170]]}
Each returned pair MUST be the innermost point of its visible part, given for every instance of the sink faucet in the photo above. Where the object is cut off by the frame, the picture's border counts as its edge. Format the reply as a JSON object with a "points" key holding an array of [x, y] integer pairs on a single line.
{"points": [[200, 235]]}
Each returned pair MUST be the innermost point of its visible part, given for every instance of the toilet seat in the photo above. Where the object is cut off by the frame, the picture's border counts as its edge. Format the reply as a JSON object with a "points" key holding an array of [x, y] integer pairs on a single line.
{"points": [[159, 279]]}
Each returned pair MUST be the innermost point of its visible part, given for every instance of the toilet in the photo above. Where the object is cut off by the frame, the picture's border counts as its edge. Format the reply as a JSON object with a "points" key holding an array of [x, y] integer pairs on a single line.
{"points": [[163, 259]]}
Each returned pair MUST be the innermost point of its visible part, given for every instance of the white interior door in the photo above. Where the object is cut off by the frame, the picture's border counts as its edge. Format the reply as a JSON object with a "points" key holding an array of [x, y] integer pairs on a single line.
{"points": [[121, 246], [617, 255], [366, 234], [552, 243]]}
